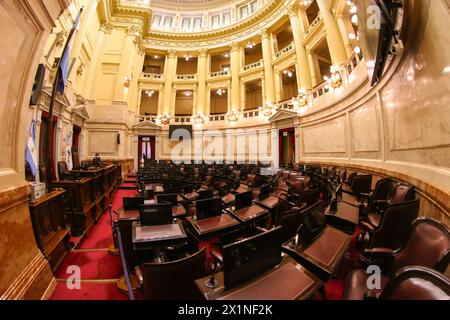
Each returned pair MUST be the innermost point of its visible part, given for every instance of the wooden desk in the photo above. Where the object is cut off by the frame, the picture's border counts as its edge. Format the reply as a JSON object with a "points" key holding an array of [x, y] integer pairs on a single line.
{"points": [[213, 226], [271, 202], [346, 217], [50, 228], [151, 237], [287, 281], [83, 204], [324, 254], [249, 214]]}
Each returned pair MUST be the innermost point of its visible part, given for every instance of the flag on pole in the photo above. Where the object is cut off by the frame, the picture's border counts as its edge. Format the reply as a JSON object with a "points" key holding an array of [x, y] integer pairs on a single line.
{"points": [[63, 69], [68, 153], [30, 151]]}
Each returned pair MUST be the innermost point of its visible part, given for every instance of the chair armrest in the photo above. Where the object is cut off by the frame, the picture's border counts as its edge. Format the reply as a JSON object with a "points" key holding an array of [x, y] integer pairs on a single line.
{"points": [[380, 202], [262, 229], [379, 253], [364, 195], [217, 257], [138, 273]]}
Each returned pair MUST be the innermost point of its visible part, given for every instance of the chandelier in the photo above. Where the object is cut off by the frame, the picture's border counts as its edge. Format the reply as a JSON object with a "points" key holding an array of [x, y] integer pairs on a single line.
{"points": [[305, 2], [335, 80], [233, 115], [199, 118], [164, 118]]}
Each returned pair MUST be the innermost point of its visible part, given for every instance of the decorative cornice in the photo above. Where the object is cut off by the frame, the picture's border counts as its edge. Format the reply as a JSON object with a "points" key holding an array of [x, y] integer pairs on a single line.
{"points": [[144, 14], [106, 27]]}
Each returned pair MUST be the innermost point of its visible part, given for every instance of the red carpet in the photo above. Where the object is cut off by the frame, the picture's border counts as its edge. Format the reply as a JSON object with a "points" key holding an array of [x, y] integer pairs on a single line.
{"points": [[88, 291], [93, 265], [99, 237]]}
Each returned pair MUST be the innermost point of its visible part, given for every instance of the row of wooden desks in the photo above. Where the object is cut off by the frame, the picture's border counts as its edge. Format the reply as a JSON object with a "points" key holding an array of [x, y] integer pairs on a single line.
{"points": [[287, 281]]}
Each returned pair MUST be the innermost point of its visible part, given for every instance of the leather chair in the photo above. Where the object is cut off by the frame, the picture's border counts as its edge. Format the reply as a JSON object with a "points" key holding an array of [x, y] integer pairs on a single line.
{"points": [[309, 197], [417, 283], [393, 228], [296, 188], [174, 280], [290, 220], [401, 192], [383, 188], [428, 245], [63, 171], [359, 184]]}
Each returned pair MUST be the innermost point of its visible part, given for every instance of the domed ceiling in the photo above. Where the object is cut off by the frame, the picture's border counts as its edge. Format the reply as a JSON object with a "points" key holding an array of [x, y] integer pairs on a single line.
{"points": [[185, 4]]}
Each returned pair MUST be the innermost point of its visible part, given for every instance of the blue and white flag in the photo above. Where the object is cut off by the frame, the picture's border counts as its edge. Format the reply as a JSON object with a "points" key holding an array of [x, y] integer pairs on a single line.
{"points": [[63, 69], [30, 151]]}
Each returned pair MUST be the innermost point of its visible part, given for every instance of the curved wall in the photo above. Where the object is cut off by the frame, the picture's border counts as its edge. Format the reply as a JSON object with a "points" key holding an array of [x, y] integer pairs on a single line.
{"points": [[401, 126]]}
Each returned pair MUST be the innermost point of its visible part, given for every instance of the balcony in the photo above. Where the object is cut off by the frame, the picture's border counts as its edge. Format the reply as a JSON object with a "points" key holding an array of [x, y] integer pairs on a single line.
{"points": [[285, 50], [313, 25], [186, 77], [219, 74], [252, 66], [152, 76]]}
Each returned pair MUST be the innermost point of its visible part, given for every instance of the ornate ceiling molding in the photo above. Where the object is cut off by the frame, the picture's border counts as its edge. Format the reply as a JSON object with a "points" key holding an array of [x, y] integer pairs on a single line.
{"points": [[121, 10]]}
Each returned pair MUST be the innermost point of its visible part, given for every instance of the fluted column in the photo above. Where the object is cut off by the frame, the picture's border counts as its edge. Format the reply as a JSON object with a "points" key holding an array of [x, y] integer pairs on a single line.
{"points": [[304, 72], [105, 28], [86, 17], [127, 62], [334, 39], [235, 62], [201, 75], [345, 26], [268, 69], [169, 74], [312, 64]]}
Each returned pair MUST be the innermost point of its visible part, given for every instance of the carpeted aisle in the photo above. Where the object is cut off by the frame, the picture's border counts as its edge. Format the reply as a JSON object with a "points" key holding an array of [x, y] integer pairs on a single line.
{"points": [[98, 269]]}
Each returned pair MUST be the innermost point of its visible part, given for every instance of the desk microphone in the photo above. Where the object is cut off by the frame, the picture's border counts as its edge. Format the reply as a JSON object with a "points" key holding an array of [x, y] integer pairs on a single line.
{"points": [[212, 282]]}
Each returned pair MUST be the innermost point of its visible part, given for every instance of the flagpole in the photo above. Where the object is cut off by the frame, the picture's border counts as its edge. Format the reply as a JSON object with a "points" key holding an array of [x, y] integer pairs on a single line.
{"points": [[48, 142]]}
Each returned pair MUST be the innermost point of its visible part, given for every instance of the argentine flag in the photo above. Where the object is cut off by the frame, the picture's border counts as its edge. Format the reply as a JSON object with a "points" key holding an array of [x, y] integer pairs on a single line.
{"points": [[63, 69], [30, 151]]}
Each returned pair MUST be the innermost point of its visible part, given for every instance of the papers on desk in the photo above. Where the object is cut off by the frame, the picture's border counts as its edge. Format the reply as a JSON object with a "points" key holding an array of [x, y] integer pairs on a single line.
{"points": [[168, 231]]}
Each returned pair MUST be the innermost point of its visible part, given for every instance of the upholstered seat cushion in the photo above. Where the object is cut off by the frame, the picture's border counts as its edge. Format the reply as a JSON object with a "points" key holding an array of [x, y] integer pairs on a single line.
{"points": [[374, 219], [356, 285]]}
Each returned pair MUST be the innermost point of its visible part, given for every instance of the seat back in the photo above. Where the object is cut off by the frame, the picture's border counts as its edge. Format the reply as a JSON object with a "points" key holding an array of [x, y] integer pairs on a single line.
{"points": [[428, 246], [417, 283], [296, 187], [174, 280], [382, 189], [63, 171], [395, 225], [309, 197], [290, 220], [132, 203], [313, 221], [401, 192], [361, 184], [155, 214]]}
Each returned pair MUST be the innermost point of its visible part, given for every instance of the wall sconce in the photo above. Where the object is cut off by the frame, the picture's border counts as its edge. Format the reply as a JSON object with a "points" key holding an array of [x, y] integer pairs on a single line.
{"points": [[164, 118], [233, 115], [149, 93], [127, 81], [335, 80], [267, 110], [305, 2], [199, 118], [302, 97], [80, 69]]}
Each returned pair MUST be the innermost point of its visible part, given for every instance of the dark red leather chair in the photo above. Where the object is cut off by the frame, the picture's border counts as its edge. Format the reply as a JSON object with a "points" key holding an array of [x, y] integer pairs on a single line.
{"points": [[393, 228], [428, 245], [383, 189], [417, 283], [174, 280]]}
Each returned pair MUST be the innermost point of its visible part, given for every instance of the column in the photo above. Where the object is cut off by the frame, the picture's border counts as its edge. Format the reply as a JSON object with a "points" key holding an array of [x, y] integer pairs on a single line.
{"points": [[160, 100], [268, 69], [243, 96], [127, 62], [201, 75], [105, 28], [235, 62], [275, 148], [334, 39], [86, 17], [304, 72], [278, 85], [345, 26], [312, 65], [134, 92], [169, 74]]}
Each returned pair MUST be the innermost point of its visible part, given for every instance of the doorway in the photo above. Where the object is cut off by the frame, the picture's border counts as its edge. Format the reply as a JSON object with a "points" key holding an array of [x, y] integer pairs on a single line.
{"points": [[146, 149], [287, 147]]}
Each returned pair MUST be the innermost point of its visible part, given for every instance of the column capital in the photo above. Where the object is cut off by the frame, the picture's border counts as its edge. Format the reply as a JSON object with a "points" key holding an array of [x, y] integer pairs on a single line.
{"points": [[134, 30], [202, 52], [292, 11], [264, 33], [172, 53], [234, 46], [106, 27]]}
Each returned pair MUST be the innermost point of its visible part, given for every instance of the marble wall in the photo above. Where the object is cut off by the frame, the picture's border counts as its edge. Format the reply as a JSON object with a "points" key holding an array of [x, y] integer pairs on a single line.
{"points": [[25, 26]]}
